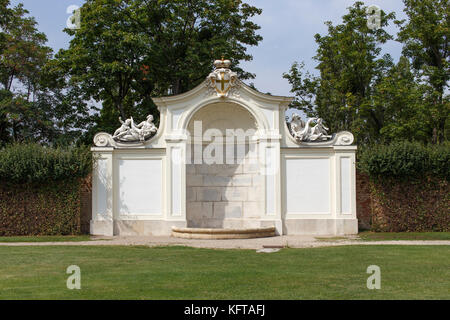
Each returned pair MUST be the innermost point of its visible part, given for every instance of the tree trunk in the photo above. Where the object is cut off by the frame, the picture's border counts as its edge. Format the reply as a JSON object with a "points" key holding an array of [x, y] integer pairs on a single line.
{"points": [[176, 87], [119, 105], [434, 139]]}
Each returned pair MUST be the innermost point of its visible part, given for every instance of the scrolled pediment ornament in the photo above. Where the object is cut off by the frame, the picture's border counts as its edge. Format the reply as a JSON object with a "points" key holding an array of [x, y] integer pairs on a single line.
{"points": [[103, 139], [222, 81], [344, 138]]}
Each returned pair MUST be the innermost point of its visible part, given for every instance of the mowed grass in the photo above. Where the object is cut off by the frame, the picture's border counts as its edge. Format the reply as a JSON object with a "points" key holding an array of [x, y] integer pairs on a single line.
{"points": [[379, 236], [111, 272]]}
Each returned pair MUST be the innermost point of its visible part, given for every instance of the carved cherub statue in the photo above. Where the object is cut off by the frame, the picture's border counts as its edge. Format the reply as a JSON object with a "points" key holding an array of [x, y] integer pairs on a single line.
{"points": [[124, 129], [319, 131]]}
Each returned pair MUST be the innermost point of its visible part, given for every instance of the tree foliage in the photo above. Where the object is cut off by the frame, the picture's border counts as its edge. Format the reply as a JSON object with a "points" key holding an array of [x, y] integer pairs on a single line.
{"points": [[34, 163], [402, 99], [406, 160], [125, 52], [425, 36], [32, 105], [350, 65], [380, 101]]}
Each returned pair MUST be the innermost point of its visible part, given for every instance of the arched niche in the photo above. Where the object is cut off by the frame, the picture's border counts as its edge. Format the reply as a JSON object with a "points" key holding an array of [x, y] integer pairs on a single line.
{"points": [[223, 182]]}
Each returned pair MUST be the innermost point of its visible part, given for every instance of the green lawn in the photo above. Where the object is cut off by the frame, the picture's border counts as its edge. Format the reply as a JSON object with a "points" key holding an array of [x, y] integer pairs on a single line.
{"points": [[377, 236], [111, 272], [45, 238]]}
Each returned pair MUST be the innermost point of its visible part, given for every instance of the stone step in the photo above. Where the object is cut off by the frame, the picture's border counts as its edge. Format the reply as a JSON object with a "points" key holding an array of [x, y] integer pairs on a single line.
{"points": [[213, 233]]}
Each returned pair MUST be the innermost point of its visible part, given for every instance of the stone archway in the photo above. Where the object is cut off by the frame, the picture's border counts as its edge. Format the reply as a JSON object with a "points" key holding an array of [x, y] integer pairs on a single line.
{"points": [[224, 187]]}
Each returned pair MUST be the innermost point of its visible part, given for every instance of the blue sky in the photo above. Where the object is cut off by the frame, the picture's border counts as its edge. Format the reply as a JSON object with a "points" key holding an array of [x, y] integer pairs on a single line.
{"points": [[288, 28]]}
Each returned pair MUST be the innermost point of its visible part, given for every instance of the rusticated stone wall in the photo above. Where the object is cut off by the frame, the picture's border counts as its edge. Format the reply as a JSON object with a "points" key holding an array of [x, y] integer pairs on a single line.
{"points": [[222, 195]]}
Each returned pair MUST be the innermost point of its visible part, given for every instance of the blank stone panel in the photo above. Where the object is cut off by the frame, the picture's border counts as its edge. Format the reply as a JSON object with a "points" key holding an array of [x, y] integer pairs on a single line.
{"points": [[308, 186], [271, 171], [102, 187], [176, 181], [140, 187], [345, 185]]}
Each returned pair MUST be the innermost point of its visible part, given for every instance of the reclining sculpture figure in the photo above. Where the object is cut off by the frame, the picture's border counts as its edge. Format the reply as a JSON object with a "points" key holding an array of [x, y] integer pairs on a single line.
{"points": [[129, 132], [307, 132]]}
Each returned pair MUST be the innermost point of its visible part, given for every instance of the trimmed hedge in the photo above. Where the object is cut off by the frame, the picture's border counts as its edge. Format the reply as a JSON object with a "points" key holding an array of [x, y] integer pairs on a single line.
{"points": [[418, 205], [40, 189], [33, 163], [408, 187], [406, 160], [46, 209]]}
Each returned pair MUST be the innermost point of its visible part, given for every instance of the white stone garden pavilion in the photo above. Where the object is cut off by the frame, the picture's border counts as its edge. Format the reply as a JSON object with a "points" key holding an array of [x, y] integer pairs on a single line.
{"points": [[224, 157]]}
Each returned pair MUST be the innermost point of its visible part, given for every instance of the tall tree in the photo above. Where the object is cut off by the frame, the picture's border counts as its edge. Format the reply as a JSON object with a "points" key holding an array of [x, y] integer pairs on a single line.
{"points": [[350, 65], [34, 104], [425, 36], [125, 52], [404, 103], [22, 57]]}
